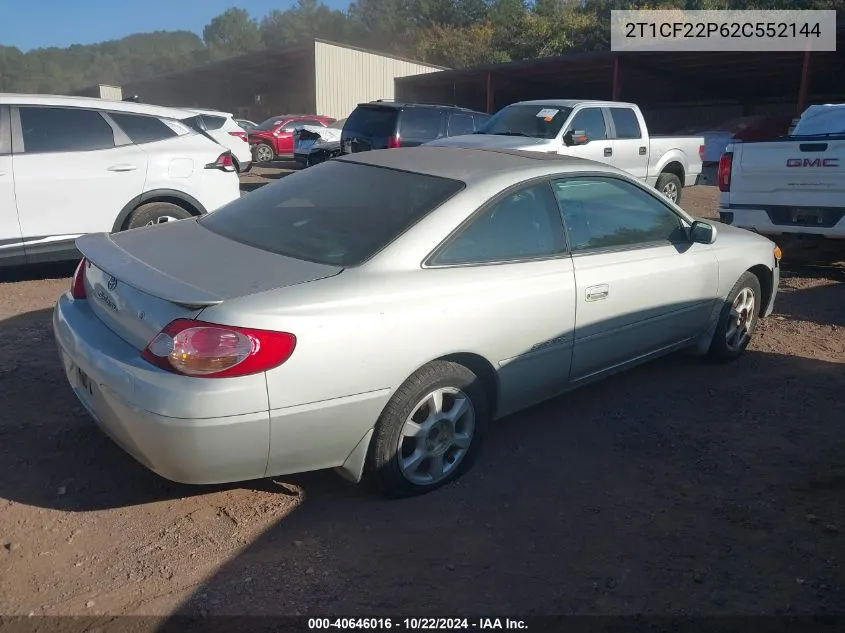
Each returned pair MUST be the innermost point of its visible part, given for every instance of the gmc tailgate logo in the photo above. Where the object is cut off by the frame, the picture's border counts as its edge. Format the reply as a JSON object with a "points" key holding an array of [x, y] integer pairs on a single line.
{"points": [[812, 162]]}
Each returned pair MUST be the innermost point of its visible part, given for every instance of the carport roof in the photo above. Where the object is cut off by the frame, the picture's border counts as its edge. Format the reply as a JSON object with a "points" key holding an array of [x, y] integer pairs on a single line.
{"points": [[652, 76]]}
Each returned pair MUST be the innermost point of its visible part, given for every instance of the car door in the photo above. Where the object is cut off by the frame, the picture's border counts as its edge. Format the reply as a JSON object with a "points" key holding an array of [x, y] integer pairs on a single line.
{"points": [[642, 286], [74, 174], [630, 148], [591, 121], [418, 125], [515, 246], [11, 245]]}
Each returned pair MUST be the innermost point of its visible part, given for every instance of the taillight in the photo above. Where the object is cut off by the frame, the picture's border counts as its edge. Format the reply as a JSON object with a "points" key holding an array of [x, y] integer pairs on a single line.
{"points": [[209, 350], [701, 152], [240, 135], [224, 162], [724, 172], [393, 142], [77, 284]]}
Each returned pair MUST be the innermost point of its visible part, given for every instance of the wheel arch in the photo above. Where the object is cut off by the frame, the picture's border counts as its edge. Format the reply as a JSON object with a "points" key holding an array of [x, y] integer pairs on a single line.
{"points": [[179, 198], [765, 277], [675, 167]]}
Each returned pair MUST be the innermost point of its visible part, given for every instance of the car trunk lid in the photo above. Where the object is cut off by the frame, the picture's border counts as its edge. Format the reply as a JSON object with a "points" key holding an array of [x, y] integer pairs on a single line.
{"points": [[139, 281]]}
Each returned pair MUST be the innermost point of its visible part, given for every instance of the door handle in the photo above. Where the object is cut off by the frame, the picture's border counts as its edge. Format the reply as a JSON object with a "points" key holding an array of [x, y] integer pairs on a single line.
{"points": [[643, 150], [596, 293], [123, 168], [2, 173], [608, 151]]}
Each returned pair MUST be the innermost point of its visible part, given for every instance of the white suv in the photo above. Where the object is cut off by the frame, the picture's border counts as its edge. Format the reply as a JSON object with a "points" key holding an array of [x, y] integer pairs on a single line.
{"points": [[76, 165], [222, 127]]}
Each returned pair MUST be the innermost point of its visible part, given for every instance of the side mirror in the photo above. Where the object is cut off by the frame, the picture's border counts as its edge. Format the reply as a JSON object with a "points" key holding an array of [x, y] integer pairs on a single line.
{"points": [[702, 232], [575, 137]]}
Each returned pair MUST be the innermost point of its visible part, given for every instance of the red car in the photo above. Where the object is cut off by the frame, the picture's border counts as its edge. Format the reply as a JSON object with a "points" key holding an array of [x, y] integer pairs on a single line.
{"points": [[274, 137]]}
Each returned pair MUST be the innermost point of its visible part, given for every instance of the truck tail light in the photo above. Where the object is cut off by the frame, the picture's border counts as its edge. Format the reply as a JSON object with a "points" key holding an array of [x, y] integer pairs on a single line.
{"points": [[393, 142], [77, 284], [724, 171], [701, 152], [224, 162], [208, 350]]}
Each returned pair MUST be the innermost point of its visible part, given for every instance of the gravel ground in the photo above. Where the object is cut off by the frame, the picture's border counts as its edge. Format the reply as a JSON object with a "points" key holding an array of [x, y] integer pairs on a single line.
{"points": [[678, 487]]}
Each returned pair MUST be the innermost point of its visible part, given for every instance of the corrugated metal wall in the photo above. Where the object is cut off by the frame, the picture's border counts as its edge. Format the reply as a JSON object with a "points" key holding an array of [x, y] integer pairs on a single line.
{"points": [[346, 77]]}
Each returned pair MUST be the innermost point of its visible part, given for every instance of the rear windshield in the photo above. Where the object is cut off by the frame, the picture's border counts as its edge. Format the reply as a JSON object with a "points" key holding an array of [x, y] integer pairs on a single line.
{"points": [[270, 124], [337, 213], [537, 121], [372, 121]]}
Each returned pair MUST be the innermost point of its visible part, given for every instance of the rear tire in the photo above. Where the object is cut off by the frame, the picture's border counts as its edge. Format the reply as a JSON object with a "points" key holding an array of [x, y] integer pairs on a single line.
{"points": [[738, 319], [263, 153], [156, 213], [670, 186], [430, 432]]}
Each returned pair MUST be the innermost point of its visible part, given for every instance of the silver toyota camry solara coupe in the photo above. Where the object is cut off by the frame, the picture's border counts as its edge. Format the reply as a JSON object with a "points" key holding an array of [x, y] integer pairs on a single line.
{"points": [[374, 313]]}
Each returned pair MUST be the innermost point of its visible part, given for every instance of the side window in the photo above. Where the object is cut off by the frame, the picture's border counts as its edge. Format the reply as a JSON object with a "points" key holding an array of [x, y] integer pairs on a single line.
{"points": [[313, 122], [420, 123], [64, 130], [606, 213], [591, 122], [460, 123], [625, 122], [290, 126], [142, 129], [524, 225]]}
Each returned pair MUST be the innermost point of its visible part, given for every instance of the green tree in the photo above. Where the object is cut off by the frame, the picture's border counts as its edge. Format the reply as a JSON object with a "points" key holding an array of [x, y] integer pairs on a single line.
{"points": [[232, 32]]}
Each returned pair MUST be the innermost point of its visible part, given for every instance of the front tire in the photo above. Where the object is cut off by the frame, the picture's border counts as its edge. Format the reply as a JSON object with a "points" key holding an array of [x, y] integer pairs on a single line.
{"points": [[670, 186], [738, 319], [430, 432], [156, 213]]}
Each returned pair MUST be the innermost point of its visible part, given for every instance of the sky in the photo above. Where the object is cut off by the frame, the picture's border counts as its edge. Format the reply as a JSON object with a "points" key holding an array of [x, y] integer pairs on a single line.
{"points": [[30, 24]]}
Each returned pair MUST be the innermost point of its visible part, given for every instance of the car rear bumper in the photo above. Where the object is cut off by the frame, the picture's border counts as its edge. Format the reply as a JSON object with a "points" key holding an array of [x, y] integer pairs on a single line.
{"points": [[759, 220], [108, 378], [168, 422]]}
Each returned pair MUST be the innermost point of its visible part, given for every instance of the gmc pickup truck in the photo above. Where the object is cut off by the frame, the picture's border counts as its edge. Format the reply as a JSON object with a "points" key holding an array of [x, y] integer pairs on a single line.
{"points": [[610, 132], [791, 189]]}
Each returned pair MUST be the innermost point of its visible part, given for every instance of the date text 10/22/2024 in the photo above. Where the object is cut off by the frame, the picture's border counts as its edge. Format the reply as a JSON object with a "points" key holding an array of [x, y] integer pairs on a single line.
{"points": [[416, 624]]}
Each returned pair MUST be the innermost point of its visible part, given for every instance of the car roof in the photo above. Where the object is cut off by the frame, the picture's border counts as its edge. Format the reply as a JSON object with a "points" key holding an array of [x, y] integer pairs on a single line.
{"points": [[389, 103], [92, 102], [571, 103], [476, 164]]}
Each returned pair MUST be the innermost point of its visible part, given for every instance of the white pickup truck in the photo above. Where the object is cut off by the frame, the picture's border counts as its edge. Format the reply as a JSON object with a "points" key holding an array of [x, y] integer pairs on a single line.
{"points": [[791, 188], [610, 132]]}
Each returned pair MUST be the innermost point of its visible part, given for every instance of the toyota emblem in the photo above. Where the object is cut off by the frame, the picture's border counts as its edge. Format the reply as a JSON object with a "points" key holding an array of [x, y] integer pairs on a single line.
{"points": [[112, 283]]}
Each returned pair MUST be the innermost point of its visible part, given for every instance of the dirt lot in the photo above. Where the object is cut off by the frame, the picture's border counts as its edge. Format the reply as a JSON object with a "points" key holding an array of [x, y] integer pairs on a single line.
{"points": [[678, 487]]}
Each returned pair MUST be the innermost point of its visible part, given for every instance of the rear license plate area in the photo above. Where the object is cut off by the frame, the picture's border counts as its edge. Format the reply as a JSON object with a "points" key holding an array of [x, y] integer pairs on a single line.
{"points": [[807, 217]]}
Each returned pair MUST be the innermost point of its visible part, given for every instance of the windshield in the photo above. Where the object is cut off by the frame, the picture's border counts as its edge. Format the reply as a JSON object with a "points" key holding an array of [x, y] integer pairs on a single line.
{"points": [[363, 209], [270, 124], [537, 121]]}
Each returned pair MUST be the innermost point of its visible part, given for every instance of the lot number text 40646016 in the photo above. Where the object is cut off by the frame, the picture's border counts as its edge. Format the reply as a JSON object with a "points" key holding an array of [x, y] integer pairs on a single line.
{"points": [[417, 624]]}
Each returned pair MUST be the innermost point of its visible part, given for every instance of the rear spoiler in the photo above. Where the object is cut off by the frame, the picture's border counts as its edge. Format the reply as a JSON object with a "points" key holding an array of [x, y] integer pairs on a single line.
{"points": [[101, 250]]}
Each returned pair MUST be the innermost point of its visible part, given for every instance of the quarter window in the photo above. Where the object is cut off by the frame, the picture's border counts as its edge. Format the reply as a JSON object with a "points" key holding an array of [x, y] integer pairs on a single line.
{"points": [[64, 130], [421, 123], [142, 129], [461, 124], [524, 225], [611, 213]]}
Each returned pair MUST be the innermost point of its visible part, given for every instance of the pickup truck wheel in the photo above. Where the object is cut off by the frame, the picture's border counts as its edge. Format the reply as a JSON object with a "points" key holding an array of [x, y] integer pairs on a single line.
{"points": [[738, 319], [430, 431], [156, 213], [264, 153], [670, 186]]}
